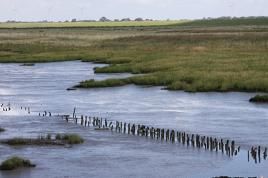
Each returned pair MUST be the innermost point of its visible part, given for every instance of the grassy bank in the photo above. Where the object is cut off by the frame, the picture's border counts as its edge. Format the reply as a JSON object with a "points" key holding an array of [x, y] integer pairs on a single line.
{"points": [[190, 62], [212, 55]]}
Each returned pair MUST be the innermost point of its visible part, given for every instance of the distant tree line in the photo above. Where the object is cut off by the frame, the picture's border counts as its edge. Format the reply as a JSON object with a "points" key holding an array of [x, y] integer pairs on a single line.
{"points": [[102, 19], [105, 19], [234, 18]]}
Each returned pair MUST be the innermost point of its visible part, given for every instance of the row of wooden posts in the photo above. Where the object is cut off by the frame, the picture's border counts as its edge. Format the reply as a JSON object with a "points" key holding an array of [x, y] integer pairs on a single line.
{"points": [[5, 108], [227, 147], [169, 135], [8, 108], [256, 154]]}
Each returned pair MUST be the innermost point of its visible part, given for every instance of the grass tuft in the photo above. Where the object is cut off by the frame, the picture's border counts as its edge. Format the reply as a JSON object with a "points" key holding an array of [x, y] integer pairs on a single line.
{"points": [[15, 162], [259, 99], [60, 140], [72, 138]]}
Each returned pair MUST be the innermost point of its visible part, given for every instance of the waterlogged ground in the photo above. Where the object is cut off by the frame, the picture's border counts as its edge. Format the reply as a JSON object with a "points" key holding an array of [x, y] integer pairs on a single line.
{"points": [[43, 87]]}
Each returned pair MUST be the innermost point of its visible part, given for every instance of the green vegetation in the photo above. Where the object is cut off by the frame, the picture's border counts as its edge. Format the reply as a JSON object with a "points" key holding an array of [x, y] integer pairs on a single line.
{"points": [[72, 138], [259, 99], [227, 21], [15, 162], [190, 62], [2, 129], [203, 55], [60, 140], [27, 64], [42, 141], [89, 24], [101, 84]]}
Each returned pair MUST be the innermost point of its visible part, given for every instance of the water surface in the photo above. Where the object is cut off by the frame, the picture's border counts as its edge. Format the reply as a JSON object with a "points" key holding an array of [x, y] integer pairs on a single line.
{"points": [[43, 87]]}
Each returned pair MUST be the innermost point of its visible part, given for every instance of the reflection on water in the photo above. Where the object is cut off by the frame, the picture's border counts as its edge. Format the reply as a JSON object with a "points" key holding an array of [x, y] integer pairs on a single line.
{"points": [[43, 87]]}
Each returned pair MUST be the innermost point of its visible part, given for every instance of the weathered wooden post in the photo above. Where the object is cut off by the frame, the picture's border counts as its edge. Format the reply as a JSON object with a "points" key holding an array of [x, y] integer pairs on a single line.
{"points": [[138, 130], [211, 143], [248, 155], [121, 126], [259, 153], [162, 134], [207, 142], [116, 125], [133, 129], [142, 130], [125, 127], [82, 120], [85, 121], [187, 139], [157, 133], [167, 135], [232, 147], [110, 124], [128, 130], [192, 141], [183, 138], [74, 112], [227, 147], [66, 117], [216, 144], [172, 136], [265, 153]]}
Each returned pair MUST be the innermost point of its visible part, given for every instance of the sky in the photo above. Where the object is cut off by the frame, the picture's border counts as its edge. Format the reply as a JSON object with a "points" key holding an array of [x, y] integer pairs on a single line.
{"points": [[60, 10]]}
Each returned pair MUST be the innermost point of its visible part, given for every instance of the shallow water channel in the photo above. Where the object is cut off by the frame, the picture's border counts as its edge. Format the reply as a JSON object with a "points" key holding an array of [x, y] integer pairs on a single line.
{"points": [[109, 154]]}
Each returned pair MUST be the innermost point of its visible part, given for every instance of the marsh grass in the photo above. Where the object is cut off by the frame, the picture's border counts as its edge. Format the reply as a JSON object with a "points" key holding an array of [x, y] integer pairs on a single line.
{"points": [[15, 162], [72, 138], [201, 62], [60, 139], [259, 99], [187, 57]]}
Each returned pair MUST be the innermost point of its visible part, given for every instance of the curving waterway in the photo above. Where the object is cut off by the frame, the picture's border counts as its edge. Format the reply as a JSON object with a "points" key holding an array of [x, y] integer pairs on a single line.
{"points": [[105, 154]]}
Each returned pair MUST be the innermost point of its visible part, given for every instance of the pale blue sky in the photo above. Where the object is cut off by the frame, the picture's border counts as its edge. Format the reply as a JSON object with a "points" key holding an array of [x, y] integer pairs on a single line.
{"points": [[55, 10]]}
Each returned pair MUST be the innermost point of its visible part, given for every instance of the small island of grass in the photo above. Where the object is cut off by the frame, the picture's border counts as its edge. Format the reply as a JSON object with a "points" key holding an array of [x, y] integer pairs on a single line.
{"points": [[70, 138], [59, 140], [15, 162], [259, 99], [2, 129], [28, 64]]}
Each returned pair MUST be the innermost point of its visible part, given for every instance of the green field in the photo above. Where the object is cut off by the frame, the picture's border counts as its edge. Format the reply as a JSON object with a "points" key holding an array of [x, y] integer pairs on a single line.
{"points": [[89, 24], [204, 55]]}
